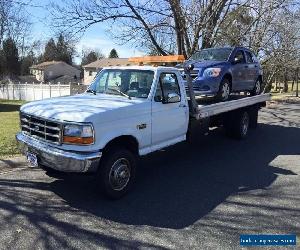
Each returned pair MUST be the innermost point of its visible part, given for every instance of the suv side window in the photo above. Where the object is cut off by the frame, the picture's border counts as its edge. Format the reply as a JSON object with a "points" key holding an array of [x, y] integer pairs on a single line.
{"points": [[254, 58], [168, 83], [249, 58], [240, 56]]}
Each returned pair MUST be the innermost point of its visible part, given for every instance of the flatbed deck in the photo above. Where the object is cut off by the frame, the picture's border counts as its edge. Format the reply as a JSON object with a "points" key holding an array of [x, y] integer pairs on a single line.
{"points": [[211, 109]]}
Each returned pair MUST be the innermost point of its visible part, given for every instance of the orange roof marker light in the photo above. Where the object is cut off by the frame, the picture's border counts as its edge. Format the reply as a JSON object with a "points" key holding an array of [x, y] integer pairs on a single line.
{"points": [[157, 60]]}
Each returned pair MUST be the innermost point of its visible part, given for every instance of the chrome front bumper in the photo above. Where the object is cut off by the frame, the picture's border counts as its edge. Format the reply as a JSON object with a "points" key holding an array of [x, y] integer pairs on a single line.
{"points": [[61, 160]]}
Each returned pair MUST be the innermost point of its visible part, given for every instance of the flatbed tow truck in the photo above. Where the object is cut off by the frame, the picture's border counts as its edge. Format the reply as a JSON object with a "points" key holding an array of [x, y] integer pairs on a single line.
{"points": [[127, 112]]}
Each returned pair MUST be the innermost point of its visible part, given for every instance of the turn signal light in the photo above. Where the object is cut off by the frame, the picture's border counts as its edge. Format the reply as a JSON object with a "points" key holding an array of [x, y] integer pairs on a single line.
{"points": [[78, 140]]}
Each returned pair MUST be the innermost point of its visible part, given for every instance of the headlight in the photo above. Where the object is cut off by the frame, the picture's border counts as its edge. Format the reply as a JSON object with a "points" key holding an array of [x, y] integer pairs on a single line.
{"points": [[212, 72], [78, 134]]}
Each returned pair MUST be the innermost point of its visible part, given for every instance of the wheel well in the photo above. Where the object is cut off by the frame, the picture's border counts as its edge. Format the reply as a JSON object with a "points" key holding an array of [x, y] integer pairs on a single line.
{"points": [[229, 77], [127, 141]]}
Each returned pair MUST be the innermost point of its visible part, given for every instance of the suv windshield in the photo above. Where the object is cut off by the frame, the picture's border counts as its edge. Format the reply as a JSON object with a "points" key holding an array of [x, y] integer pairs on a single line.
{"points": [[216, 54], [125, 82]]}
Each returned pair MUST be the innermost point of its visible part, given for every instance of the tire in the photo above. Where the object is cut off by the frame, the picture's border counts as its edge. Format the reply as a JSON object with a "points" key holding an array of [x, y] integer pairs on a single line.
{"points": [[237, 125], [224, 90], [257, 88], [116, 173]]}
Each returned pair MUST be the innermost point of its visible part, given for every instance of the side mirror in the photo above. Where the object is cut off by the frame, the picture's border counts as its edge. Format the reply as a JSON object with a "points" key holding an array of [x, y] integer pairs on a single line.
{"points": [[237, 60], [172, 98]]}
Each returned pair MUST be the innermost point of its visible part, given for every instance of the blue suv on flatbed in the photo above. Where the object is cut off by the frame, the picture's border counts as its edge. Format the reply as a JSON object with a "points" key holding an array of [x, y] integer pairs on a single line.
{"points": [[220, 71]]}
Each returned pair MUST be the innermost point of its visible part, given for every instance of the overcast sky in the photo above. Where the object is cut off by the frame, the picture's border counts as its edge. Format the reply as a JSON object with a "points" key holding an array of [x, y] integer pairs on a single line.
{"points": [[96, 37]]}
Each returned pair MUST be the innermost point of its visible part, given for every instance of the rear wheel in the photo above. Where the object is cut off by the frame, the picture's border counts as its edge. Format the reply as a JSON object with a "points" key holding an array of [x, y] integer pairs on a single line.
{"points": [[237, 124], [224, 90], [257, 88], [117, 172]]}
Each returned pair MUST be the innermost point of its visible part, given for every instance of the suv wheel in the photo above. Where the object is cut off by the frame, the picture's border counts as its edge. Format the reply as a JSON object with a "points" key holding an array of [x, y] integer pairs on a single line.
{"points": [[257, 88], [116, 173], [224, 90]]}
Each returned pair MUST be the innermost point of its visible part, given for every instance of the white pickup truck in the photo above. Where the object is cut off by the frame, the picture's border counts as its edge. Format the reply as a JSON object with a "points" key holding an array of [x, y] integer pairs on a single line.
{"points": [[126, 112]]}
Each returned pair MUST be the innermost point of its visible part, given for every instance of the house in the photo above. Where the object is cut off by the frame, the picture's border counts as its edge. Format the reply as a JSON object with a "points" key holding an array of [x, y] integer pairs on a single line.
{"points": [[91, 69], [51, 70]]}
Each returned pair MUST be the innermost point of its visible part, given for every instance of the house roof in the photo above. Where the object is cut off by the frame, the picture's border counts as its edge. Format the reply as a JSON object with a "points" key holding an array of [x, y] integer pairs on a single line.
{"points": [[107, 62], [44, 65]]}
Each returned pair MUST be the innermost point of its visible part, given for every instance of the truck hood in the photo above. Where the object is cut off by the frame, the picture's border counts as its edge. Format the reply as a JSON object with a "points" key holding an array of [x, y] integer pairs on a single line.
{"points": [[84, 107]]}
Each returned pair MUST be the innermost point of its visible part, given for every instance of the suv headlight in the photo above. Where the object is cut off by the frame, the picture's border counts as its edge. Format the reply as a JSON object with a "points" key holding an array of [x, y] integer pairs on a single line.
{"points": [[212, 72], [78, 134]]}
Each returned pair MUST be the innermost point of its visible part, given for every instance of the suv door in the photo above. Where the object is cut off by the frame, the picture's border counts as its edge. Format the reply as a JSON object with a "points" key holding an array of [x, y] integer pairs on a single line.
{"points": [[169, 120], [252, 70], [239, 71]]}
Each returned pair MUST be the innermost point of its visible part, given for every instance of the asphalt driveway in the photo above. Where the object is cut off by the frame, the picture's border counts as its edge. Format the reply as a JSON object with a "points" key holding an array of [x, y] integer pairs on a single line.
{"points": [[201, 197]]}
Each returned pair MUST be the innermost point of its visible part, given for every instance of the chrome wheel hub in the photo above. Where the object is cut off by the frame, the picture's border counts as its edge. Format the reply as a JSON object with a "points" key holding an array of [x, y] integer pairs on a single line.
{"points": [[225, 91], [245, 124], [119, 174], [257, 87]]}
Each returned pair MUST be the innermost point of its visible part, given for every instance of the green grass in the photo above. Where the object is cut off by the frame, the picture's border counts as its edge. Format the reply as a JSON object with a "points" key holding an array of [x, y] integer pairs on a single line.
{"points": [[9, 126]]}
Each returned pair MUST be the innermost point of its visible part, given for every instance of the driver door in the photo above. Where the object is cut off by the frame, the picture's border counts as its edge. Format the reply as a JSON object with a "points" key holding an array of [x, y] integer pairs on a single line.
{"points": [[239, 71], [169, 120]]}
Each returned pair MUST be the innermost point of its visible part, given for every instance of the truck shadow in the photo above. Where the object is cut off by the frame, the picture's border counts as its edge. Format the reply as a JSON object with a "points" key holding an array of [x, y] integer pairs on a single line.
{"points": [[9, 107], [178, 186]]}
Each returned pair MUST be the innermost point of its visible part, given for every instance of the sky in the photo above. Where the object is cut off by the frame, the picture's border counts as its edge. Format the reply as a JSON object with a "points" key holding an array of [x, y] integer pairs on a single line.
{"points": [[95, 37]]}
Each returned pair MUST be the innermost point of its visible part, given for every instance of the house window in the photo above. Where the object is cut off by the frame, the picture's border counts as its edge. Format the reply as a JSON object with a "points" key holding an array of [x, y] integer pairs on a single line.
{"points": [[90, 73]]}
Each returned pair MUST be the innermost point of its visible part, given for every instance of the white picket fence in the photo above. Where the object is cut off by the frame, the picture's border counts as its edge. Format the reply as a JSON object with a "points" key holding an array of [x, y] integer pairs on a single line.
{"points": [[38, 91]]}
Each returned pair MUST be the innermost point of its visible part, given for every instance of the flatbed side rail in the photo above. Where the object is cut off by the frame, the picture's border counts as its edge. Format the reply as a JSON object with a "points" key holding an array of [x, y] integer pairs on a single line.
{"points": [[205, 111]]}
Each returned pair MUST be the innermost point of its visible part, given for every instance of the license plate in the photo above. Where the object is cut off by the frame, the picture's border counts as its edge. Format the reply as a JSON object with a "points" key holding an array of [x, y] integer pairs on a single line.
{"points": [[32, 159]]}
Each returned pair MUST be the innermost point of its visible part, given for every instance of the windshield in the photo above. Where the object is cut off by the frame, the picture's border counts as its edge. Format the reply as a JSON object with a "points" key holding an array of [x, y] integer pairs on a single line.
{"points": [[125, 82], [217, 54]]}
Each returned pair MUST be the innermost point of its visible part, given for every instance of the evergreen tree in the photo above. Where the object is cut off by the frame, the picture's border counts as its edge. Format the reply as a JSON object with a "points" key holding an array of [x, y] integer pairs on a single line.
{"points": [[50, 53], [64, 52], [26, 62], [10, 54], [90, 57], [113, 54]]}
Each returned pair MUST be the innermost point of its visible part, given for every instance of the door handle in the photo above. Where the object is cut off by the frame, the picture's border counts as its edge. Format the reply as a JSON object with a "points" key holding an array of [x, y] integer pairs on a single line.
{"points": [[182, 106], [246, 66]]}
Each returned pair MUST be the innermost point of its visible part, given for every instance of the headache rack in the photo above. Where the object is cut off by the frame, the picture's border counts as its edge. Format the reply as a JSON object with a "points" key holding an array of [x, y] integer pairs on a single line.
{"points": [[40, 128]]}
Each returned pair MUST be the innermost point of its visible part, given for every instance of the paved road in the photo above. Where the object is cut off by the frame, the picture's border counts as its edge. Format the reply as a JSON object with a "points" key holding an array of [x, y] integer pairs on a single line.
{"points": [[202, 197]]}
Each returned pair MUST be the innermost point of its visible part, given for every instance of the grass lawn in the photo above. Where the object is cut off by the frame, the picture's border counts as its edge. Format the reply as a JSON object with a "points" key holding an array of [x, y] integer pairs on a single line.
{"points": [[9, 126]]}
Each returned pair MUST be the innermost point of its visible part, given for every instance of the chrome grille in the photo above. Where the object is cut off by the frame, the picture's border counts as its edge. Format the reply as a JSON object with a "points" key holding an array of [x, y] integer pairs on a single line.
{"points": [[40, 128], [194, 73], [196, 88]]}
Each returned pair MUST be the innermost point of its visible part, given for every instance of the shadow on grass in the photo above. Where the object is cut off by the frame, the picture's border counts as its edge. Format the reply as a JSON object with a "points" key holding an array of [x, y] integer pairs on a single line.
{"points": [[9, 107]]}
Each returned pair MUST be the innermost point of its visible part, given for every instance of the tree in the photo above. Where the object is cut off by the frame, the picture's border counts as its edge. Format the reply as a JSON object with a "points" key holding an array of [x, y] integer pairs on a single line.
{"points": [[60, 51], [14, 22], [26, 62], [89, 55], [50, 53], [64, 52], [170, 25], [10, 57], [113, 54]]}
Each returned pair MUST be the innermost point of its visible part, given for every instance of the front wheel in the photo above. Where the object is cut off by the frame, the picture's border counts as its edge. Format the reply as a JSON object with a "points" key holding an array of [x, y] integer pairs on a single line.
{"points": [[117, 172], [257, 88], [224, 90]]}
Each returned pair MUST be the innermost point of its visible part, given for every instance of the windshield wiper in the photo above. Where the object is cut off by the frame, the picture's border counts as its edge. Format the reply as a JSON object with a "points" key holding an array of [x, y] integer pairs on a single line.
{"points": [[120, 92], [91, 91]]}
